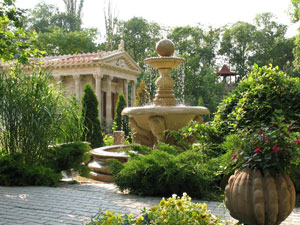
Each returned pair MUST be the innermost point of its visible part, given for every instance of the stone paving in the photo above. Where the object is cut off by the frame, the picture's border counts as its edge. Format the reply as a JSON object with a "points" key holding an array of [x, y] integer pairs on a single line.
{"points": [[77, 203]]}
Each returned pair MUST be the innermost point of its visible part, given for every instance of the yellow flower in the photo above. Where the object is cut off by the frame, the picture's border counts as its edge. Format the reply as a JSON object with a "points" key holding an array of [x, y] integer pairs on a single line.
{"points": [[108, 213], [120, 218], [181, 209], [162, 202], [130, 215], [183, 221], [153, 209], [179, 203], [140, 219], [204, 206], [109, 221], [194, 215]]}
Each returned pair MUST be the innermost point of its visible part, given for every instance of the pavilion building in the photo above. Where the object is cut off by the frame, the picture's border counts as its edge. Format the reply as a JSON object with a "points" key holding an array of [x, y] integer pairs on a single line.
{"points": [[109, 73]]}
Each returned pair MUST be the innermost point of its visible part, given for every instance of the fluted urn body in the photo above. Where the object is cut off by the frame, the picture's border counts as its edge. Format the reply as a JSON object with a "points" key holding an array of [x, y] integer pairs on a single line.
{"points": [[257, 198]]}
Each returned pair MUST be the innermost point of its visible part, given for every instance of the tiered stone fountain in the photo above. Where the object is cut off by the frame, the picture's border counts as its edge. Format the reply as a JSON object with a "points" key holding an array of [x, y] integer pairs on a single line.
{"points": [[148, 123]]}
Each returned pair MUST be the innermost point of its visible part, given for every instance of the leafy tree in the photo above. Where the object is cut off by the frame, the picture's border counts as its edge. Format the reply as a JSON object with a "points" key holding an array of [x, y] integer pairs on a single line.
{"points": [[121, 122], [139, 36], [15, 44], [40, 18], [238, 45], [142, 94], [271, 45], [73, 14], [61, 32], [57, 41], [295, 11], [92, 131], [198, 47]]}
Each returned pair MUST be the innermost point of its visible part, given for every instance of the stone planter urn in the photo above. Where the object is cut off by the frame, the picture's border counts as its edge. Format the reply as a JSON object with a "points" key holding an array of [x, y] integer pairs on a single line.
{"points": [[256, 198]]}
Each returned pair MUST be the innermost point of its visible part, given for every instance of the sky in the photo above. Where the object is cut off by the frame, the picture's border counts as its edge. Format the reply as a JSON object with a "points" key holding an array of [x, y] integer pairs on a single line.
{"points": [[173, 13]]}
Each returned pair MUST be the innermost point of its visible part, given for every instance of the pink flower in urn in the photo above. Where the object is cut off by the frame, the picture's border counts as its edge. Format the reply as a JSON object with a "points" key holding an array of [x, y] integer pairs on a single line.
{"points": [[257, 150], [276, 148]]}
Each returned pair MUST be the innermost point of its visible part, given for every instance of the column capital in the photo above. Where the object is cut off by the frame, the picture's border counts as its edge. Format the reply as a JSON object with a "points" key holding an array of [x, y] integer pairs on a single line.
{"points": [[108, 77], [76, 77], [57, 78], [97, 76], [133, 81]]}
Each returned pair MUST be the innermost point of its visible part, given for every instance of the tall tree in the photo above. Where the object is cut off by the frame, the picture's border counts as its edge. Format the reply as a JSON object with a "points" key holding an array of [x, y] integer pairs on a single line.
{"points": [[61, 32], [238, 46], [111, 21], [140, 37], [92, 131], [58, 42], [271, 44], [198, 46]]}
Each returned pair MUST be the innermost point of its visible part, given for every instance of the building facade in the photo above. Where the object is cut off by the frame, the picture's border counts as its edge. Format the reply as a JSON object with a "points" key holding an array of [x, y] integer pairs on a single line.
{"points": [[109, 73]]}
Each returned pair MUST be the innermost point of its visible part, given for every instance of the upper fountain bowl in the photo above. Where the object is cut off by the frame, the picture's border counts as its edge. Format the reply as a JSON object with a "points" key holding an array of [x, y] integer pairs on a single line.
{"points": [[166, 60]]}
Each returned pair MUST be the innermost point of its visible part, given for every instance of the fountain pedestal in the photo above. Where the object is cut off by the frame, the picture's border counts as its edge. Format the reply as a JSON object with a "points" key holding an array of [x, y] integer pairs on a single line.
{"points": [[148, 123]]}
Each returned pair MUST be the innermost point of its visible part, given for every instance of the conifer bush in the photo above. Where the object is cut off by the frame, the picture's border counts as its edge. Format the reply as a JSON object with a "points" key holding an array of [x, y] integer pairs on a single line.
{"points": [[92, 126], [121, 122]]}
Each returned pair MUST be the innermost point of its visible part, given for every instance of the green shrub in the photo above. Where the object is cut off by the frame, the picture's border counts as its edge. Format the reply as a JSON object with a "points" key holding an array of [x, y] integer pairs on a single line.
{"points": [[262, 94], [15, 172], [68, 157], [167, 170], [92, 127], [121, 122]]}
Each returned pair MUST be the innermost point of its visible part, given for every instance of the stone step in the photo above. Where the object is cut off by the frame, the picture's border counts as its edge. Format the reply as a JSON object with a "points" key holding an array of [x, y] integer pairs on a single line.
{"points": [[102, 177], [99, 166]]}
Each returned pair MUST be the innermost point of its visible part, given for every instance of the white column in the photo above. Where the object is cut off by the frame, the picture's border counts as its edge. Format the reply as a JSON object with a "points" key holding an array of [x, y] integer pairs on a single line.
{"points": [[133, 83], [98, 78], [77, 85], [108, 100], [125, 90]]}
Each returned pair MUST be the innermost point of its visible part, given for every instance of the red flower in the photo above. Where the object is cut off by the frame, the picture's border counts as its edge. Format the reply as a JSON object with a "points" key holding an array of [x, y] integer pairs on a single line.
{"points": [[263, 138], [276, 148], [298, 141], [260, 132], [299, 130], [242, 147], [257, 150], [234, 156]]}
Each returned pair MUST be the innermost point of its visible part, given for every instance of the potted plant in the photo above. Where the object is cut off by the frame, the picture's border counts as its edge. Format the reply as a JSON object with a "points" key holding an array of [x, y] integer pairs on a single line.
{"points": [[261, 192]]}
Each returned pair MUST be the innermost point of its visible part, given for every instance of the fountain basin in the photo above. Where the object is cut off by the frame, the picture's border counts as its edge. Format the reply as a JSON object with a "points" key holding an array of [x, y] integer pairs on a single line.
{"points": [[175, 117], [150, 122]]}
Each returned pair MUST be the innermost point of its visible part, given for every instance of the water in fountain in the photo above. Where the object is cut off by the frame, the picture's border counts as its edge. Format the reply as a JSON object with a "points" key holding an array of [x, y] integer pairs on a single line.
{"points": [[178, 76], [150, 77]]}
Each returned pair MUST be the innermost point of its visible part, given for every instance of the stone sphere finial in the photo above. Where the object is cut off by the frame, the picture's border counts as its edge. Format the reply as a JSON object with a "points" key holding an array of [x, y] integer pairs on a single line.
{"points": [[165, 47]]}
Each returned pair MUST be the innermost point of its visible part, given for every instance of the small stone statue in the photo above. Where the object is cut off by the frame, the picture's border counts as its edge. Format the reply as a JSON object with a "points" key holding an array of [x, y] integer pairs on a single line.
{"points": [[121, 46]]}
